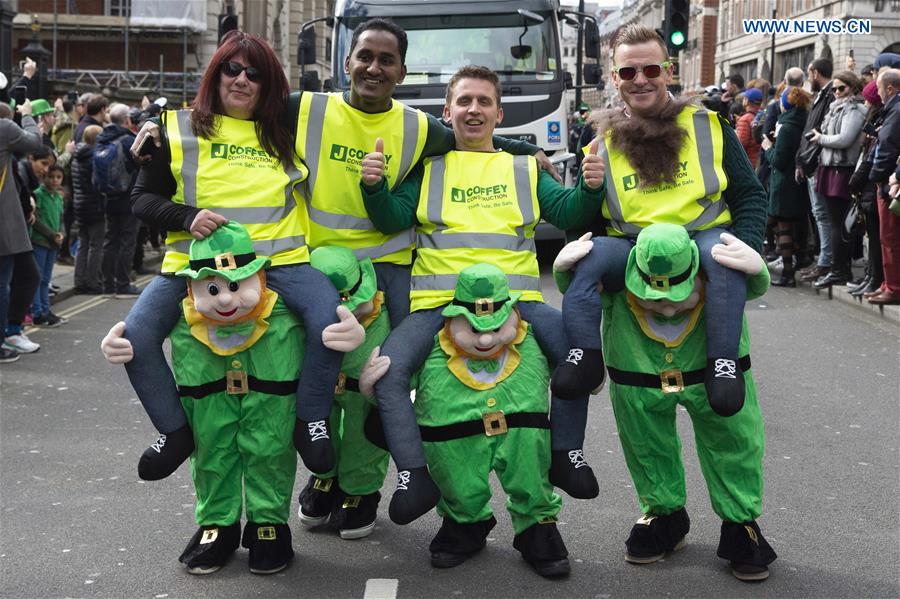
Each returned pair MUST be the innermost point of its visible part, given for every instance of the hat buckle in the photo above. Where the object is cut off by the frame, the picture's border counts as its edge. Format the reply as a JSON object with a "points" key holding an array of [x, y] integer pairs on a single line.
{"points": [[484, 306], [225, 261], [659, 282]]}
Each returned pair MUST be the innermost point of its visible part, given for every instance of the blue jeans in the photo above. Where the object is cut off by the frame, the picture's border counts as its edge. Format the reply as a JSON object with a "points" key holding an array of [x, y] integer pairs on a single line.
{"points": [[45, 258], [726, 293], [304, 290], [393, 280], [6, 270], [409, 345], [823, 223]]}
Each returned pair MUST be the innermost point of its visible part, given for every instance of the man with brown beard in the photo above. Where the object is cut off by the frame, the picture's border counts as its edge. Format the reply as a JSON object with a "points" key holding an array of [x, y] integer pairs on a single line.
{"points": [[667, 161]]}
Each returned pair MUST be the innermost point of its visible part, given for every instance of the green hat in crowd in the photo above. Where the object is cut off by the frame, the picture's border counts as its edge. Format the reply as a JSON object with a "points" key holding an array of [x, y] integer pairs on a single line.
{"points": [[482, 295], [662, 264], [583, 107], [354, 279], [40, 106], [227, 253]]}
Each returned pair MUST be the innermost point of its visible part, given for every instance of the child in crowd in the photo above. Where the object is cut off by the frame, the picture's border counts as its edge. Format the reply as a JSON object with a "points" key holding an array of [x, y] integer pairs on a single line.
{"points": [[46, 238]]}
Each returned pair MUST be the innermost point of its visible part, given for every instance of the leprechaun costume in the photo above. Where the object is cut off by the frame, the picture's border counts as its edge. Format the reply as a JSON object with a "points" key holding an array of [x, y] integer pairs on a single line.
{"points": [[347, 496], [478, 415], [237, 383], [655, 364]]}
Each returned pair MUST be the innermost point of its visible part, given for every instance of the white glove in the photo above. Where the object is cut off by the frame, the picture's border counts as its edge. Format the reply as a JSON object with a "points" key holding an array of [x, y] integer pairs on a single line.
{"points": [[573, 252], [375, 368], [736, 254], [115, 347], [346, 335]]}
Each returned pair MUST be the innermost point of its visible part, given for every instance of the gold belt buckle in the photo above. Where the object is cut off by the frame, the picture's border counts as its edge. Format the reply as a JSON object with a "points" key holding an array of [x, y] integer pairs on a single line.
{"points": [[671, 381], [265, 533], [341, 384], [209, 536], [236, 382], [351, 502], [494, 423], [322, 484]]}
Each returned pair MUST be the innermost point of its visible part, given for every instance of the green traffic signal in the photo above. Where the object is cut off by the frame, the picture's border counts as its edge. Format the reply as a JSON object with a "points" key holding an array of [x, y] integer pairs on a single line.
{"points": [[677, 38]]}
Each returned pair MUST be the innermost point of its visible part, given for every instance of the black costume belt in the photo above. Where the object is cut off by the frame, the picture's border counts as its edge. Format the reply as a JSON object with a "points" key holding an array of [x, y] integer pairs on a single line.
{"points": [[491, 424], [239, 383], [670, 381]]}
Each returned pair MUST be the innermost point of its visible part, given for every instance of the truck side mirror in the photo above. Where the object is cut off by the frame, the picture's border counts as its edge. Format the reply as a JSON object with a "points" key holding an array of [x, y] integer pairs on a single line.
{"points": [[591, 39], [567, 80], [306, 48], [592, 74]]}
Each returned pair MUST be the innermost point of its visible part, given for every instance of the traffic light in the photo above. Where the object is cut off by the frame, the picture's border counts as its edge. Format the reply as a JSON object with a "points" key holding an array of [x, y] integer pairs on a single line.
{"points": [[675, 26], [227, 22]]}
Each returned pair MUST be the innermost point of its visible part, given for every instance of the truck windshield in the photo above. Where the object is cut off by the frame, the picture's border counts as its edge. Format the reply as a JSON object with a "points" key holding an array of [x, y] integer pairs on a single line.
{"points": [[440, 45]]}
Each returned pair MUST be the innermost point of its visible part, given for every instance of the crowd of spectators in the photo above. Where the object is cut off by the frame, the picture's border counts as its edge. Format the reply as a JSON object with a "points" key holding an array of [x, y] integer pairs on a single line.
{"points": [[65, 199]]}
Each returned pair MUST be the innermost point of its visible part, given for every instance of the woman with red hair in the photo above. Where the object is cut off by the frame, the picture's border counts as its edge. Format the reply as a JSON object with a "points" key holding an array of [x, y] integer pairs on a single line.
{"points": [[230, 157]]}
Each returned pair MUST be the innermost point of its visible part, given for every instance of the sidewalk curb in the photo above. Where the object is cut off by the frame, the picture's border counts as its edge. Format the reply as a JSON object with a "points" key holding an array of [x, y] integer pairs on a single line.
{"points": [[839, 293], [68, 291]]}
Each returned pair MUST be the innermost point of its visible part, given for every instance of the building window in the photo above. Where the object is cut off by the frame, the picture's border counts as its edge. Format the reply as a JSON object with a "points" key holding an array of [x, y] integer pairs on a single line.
{"points": [[118, 8], [798, 57]]}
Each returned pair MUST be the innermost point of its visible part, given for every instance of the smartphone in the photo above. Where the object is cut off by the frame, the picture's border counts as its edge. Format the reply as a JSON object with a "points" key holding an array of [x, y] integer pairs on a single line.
{"points": [[72, 96], [771, 136], [147, 147], [19, 93], [809, 135], [870, 129]]}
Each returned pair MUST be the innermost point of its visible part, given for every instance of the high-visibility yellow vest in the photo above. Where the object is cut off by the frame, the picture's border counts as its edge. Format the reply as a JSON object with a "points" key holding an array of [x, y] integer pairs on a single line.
{"points": [[693, 200], [475, 207], [332, 139], [233, 175]]}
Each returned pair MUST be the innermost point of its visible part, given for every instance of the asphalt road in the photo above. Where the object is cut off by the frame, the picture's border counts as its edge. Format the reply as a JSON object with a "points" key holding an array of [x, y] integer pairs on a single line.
{"points": [[75, 521]]}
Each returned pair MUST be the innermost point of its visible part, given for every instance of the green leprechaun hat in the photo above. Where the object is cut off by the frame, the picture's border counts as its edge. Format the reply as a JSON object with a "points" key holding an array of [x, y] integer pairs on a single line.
{"points": [[40, 106], [482, 295], [662, 264], [227, 253], [354, 279]]}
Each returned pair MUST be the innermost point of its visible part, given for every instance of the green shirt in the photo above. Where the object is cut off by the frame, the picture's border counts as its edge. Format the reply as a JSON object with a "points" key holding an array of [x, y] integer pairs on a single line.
{"points": [[48, 209]]}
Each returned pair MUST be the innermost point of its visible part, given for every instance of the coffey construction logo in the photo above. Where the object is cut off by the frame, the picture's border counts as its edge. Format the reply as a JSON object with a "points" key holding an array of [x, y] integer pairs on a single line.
{"points": [[223, 151], [351, 155], [477, 193]]}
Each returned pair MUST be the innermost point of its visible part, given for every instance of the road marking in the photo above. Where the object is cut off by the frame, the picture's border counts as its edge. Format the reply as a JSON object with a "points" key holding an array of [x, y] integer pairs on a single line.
{"points": [[381, 588]]}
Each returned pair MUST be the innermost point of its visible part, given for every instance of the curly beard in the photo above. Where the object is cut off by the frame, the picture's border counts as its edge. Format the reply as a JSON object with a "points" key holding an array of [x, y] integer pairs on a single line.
{"points": [[652, 146]]}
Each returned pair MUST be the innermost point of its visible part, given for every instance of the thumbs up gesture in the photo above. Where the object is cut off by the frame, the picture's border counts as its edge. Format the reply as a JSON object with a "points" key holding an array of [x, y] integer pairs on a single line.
{"points": [[115, 347], [346, 334], [373, 165], [593, 168]]}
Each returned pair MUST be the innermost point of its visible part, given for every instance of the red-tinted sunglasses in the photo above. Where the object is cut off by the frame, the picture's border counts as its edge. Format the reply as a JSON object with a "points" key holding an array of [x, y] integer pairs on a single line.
{"points": [[650, 71]]}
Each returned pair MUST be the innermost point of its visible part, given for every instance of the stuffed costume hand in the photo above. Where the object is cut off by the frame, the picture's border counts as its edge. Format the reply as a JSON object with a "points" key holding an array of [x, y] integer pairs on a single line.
{"points": [[375, 368], [115, 347], [572, 252], [736, 254], [346, 335]]}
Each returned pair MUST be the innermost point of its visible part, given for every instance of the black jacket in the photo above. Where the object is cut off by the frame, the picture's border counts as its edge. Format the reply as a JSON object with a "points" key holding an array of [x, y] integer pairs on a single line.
{"points": [[887, 150], [89, 206], [814, 118]]}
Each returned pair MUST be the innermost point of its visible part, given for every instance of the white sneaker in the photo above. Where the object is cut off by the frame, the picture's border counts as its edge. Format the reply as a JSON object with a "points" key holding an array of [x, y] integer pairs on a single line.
{"points": [[21, 344]]}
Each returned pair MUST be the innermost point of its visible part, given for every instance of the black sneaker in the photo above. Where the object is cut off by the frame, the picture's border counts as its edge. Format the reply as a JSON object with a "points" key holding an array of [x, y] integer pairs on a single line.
{"points": [[724, 382], [312, 440], [654, 536], [543, 548], [580, 373], [317, 500], [356, 515], [570, 472], [416, 494], [210, 548], [8, 355], [165, 456], [129, 292], [270, 547], [49, 320]]}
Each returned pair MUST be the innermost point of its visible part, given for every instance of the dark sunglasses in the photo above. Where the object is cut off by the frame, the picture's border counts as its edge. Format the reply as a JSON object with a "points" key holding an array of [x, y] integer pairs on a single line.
{"points": [[840, 88], [650, 71], [234, 69]]}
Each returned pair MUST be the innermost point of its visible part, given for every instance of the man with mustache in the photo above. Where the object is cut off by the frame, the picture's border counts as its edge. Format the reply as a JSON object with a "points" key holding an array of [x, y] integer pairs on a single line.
{"points": [[667, 161]]}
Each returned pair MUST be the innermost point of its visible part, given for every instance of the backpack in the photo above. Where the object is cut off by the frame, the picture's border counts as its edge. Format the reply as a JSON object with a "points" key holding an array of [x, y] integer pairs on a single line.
{"points": [[111, 176]]}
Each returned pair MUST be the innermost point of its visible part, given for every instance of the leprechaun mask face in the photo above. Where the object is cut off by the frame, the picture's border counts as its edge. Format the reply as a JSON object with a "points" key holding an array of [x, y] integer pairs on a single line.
{"points": [[221, 300], [669, 308], [483, 344]]}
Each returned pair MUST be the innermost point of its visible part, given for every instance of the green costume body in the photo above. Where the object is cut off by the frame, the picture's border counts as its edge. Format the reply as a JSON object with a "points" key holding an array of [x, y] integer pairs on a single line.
{"points": [[521, 457], [730, 449], [243, 442], [360, 466]]}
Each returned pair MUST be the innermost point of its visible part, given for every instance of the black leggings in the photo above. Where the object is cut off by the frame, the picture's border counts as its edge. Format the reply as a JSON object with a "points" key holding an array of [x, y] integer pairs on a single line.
{"points": [[24, 282]]}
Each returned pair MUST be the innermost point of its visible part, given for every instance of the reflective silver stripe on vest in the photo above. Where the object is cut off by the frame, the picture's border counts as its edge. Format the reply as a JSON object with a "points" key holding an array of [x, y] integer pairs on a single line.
{"points": [[616, 220], [190, 157], [315, 127], [711, 209], [399, 242], [448, 283], [437, 239], [262, 247], [257, 215]]}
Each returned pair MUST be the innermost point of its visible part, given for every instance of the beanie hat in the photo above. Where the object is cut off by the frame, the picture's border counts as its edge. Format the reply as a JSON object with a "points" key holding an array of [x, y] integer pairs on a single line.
{"points": [[870, 94]]}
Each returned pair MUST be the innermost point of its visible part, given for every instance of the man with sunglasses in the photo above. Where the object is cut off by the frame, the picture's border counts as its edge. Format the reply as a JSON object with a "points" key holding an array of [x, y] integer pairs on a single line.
{"points": [[667, 160]]}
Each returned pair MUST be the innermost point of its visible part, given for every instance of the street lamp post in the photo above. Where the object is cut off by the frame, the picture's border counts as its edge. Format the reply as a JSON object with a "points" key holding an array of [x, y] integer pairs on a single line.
{"points": [[772, 52]]}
